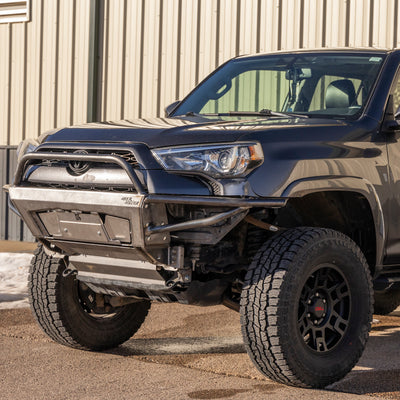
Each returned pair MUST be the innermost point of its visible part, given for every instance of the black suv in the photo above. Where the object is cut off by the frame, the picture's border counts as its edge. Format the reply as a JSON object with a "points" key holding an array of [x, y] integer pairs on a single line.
{"points": [[271, 188]]}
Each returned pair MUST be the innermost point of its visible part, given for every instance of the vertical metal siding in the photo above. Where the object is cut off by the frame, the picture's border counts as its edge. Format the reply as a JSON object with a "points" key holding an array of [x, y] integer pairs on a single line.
{"points": [[150, 53], [3, 198], [5, 81], [155, 51], [44, 70], [131, 83], [43, 84], [313, 24], [270, 25], [11, 227]]}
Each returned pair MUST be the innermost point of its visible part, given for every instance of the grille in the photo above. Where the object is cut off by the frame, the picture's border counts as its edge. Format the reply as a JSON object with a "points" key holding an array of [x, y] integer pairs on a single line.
{"points": [[125, 155], [86, 187], [216, 188], [57, 181], [128, 157]]}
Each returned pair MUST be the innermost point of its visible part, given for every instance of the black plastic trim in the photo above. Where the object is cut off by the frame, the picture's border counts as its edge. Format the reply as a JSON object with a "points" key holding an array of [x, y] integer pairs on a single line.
{"points": [[217, 201]]}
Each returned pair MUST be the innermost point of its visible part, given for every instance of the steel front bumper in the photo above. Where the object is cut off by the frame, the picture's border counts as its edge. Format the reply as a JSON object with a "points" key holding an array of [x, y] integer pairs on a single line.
{"points": [[118, 239], [102, 233], [88, 216], [116, 218]]}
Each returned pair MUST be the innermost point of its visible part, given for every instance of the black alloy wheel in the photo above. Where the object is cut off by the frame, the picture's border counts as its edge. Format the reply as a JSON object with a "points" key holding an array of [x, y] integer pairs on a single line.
{"points": [[324, 309], [306, 307]]}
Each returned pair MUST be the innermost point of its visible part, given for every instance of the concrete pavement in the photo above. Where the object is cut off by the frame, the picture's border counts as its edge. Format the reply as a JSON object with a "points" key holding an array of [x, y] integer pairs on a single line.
{"points": [[180, 352]]}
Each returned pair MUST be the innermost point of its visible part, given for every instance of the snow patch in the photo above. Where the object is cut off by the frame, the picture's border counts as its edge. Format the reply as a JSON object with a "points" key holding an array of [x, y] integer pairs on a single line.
{"points": [[14, 269]]}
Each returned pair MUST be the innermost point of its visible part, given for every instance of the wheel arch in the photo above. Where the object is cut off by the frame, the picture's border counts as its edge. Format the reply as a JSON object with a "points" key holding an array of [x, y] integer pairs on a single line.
{"points": [[358, 194]]}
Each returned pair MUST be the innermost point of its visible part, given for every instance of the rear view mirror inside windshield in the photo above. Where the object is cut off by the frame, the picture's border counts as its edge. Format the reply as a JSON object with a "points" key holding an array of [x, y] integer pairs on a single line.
{"points": [[298, 74]]}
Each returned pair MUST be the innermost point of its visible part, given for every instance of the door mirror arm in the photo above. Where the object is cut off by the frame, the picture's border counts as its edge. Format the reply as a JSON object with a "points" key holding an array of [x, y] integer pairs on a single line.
{"points": [[391, 121], [171, 108]]}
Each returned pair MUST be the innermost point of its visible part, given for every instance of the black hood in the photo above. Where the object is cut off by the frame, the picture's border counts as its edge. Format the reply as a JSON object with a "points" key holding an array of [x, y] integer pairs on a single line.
{"points": [[161, 132]]}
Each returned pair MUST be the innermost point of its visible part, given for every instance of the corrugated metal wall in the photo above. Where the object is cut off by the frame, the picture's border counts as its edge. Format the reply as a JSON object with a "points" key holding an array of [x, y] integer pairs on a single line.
{"points": [[151, 52], [76, 61], [44, 69], [11, 227], [155, 51]]}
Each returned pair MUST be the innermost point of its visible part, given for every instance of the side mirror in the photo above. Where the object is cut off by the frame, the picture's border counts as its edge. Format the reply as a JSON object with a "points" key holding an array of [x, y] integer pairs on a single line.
{"points": [[391, 122], [169, 109]]}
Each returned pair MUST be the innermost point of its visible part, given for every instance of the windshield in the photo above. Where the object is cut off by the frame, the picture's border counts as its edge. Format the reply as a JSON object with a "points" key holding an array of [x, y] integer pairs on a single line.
{"points": [[321, 84]]}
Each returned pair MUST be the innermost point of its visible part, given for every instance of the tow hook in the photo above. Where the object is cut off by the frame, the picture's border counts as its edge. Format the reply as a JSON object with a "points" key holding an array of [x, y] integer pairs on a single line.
{"points": [[183, 277], [68, 272]]}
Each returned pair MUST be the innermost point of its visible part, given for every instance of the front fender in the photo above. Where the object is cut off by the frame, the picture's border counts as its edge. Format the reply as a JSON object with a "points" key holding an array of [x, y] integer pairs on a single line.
{"points": [[302, 187]]}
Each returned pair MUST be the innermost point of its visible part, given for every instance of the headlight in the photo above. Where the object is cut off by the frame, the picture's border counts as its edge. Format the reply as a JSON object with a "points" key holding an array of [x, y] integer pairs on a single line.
{"points": [[26, 146], [220, 161]]}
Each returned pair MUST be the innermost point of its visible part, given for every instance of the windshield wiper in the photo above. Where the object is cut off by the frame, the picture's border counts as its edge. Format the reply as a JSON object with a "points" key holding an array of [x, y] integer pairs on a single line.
{"points": [[261, 113]]}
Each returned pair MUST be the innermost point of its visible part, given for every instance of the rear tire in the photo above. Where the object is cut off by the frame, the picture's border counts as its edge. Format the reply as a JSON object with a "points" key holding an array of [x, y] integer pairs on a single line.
{"points": [[58, 304], [387, 300], [306, 307]]}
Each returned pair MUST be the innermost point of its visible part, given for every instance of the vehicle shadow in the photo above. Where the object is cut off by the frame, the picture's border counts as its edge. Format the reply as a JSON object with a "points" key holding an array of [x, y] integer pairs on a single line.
{"points": [[7, 297], [378, 370]]}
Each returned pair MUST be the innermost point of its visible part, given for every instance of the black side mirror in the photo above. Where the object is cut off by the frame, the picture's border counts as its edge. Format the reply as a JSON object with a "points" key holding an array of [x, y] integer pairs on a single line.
{"points": [[169, 109], [391, 122]]}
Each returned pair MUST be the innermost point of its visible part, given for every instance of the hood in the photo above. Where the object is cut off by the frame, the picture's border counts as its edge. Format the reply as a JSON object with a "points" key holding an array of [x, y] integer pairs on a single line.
{"points": [[162, 132]]}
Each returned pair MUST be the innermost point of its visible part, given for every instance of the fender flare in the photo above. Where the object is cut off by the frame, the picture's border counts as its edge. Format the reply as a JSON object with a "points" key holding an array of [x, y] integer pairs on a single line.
{"points": [[302, 187]]}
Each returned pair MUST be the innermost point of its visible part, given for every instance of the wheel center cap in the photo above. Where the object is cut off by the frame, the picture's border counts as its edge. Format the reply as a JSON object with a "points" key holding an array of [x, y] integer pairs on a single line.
{"points": [[318, 308]]}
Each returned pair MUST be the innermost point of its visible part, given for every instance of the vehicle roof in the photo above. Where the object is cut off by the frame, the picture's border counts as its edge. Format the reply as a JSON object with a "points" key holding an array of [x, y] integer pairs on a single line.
{"points": [[327, 50]]}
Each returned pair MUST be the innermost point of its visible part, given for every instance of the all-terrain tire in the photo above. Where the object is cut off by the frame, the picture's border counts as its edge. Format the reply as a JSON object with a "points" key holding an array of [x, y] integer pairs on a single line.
{"points": [[306, 307], [60, 312], [387, 300]]}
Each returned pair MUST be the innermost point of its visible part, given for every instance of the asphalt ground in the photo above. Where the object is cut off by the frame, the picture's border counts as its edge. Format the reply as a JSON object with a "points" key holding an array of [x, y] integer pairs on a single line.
{"points": [[180, 352]]}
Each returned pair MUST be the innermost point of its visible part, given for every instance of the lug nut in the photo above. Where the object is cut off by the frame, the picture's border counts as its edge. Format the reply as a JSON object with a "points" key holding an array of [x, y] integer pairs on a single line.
{"points": [[308, 315], [315, 322]]}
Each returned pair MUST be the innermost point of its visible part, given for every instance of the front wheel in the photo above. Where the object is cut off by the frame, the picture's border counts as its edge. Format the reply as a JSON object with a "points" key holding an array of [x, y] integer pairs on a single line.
{"points": [[73, 315], [306, 307]]}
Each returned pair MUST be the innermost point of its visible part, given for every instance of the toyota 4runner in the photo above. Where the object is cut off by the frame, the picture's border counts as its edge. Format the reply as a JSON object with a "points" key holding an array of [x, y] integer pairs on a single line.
{"points": [[272, 188]]}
